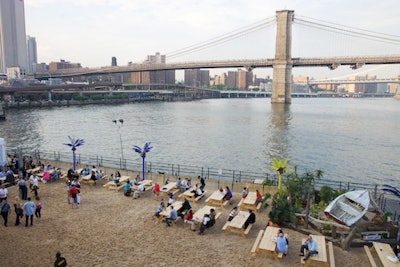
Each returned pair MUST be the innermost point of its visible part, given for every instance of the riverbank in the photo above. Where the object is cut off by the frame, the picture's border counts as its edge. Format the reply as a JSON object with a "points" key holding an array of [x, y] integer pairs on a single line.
{"points": [[109, 229]]}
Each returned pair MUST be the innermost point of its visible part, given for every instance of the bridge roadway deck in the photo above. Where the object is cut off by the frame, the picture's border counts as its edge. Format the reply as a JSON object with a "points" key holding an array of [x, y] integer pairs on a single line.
{"points": [[332, 62]]}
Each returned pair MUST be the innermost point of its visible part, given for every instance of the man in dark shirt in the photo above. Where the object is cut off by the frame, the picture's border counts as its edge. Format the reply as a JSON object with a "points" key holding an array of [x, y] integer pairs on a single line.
{"points": [[250, 220], [60, 261]]}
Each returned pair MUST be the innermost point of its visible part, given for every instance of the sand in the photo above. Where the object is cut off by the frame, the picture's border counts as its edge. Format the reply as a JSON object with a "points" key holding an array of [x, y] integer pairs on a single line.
{"points": [[109, 229]]}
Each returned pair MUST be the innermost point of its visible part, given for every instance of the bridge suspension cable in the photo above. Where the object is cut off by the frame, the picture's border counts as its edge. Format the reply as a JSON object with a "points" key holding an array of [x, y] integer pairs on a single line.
{"points": [[346, 30], [256, 26]]}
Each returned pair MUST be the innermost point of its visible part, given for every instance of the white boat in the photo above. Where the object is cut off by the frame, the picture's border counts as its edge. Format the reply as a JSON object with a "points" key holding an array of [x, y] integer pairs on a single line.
{"points": [[349, 207]]}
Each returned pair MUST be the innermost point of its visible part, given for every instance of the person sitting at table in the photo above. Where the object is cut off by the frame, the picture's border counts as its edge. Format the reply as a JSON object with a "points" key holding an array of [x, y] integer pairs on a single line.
{"points": [[173, 215], [46, 176], [54, 175], [244, 192], [156, 190], [250, 220], [179, 184], [204, 224], [212, 218], [189, 219], [202, 182], [233, 213], [86, 170], [259, 197], [185, 208], [140, 189], [160, 208], [281, 244], [197, 191], [285, 236], [135, 181], [167, 181], [228, 194], [93, 177], [116, 179], [185, 185], [311, 245], [127, 189], [171, 199]]}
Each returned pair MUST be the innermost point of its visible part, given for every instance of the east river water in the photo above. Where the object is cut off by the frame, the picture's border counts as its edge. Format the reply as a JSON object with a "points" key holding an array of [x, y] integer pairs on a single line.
{"points": [[356, 140]]}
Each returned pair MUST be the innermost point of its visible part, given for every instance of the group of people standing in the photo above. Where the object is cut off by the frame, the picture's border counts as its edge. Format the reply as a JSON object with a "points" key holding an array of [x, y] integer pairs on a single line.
{"points": [[29, 208]]}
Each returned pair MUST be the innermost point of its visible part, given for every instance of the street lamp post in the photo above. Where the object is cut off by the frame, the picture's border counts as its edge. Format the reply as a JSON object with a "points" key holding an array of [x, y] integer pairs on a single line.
{"points": [[119, 123]]}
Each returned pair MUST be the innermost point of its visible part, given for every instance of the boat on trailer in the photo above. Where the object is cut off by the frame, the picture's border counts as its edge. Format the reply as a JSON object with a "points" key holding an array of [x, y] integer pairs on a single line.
{"points": [[349, 207]]}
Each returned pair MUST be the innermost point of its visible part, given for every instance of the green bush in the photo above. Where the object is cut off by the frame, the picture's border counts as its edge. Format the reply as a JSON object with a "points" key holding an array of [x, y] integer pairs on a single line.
{"points": [[326, 194], [282, 211]]}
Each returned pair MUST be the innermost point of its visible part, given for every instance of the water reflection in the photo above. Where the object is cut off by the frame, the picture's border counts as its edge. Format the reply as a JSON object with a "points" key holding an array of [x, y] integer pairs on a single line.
{"points": [[279, 137]]}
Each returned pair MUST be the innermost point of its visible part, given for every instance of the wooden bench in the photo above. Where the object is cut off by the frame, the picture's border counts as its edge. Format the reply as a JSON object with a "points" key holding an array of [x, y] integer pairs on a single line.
{"points": [[246, 232], [370, 257], [259, 206], [257, 242], [225, 226], [173, 222], [200, 197], [331, 255]]}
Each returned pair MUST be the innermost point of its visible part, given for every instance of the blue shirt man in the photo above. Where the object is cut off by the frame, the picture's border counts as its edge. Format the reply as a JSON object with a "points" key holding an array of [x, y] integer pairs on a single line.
{"points": [[29, 208], [173, 215], [312, 247]]}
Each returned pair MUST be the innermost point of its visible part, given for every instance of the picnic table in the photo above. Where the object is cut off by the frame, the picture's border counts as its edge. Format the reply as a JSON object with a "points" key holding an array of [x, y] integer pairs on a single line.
{"points": [[177, 206], [198, 216], [190, 196], [31, 171], [237, 224], [265, 243], [217, 198], [384, 252], [317, 259], [168, 187], [113, 186], [250, 202]]}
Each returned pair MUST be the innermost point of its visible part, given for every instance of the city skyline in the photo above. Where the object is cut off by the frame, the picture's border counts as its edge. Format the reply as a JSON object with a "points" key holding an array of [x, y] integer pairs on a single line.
{"points": [[95, 31]]}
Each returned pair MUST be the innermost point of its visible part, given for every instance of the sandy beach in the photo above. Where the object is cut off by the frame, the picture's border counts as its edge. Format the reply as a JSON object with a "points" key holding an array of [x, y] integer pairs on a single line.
{"points": [[109, 229]]}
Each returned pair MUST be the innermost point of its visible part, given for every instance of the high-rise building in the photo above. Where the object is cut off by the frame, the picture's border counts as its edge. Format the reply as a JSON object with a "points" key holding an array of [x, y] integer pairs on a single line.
{"points": [[197, 77], [113, 61], [12, 35], [31, 50], [154, 77]]}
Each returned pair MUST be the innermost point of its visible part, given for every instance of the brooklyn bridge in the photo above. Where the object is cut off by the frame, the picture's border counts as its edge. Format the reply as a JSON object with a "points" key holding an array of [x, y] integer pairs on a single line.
{"points": [[282, 64]]}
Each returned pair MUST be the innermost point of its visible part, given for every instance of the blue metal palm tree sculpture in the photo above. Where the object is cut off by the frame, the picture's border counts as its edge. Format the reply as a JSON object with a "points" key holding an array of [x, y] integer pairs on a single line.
{"points": [[142, 153], [74, 143]]}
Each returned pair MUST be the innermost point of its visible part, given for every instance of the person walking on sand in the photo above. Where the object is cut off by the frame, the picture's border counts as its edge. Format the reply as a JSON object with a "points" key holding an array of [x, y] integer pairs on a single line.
{"points": [[60, 261], [5, 210], [38, 208], [73, 194], [18, 211], [29, 208]]}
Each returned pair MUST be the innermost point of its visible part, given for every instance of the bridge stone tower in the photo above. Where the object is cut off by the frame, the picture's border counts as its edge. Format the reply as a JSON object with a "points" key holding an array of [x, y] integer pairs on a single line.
{"points": [[282, 74]]}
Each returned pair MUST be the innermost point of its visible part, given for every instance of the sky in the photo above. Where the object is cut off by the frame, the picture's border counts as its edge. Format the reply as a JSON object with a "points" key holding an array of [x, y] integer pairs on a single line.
{"points": [[92, 31]]}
